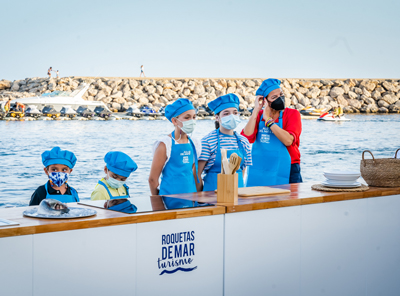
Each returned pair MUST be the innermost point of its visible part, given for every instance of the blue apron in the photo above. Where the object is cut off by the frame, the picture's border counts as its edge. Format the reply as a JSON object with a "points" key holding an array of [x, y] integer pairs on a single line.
{"points": [[118, 196], [73, 197], [211, 177], [125, 207], [271, 159], [177, 175]]}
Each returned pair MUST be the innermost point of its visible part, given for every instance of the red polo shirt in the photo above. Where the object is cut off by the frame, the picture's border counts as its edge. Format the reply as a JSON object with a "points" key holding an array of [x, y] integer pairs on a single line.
{"points": [[291, 122]]}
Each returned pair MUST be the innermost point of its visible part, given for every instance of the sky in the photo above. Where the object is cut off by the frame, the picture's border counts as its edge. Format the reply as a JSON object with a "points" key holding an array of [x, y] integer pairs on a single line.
{"points": [[230, 39]]}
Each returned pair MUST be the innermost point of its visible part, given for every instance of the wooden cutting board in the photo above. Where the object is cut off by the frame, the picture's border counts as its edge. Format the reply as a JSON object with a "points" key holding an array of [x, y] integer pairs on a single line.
{"points": [[260, 190]]}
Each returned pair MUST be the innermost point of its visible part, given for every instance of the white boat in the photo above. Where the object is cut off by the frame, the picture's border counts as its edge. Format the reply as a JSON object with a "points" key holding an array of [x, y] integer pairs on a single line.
{"points": [[59, 99]]}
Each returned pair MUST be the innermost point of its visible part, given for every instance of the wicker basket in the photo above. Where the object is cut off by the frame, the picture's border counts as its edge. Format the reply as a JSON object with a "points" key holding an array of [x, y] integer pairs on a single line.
{"points": [[383, 172]]}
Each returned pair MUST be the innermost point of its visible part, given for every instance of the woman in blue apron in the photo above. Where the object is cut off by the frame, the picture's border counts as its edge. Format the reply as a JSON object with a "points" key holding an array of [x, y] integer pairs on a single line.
{"points": [[226, 110], [272, 160], [58, 166], [175, 156], [118, 168]]}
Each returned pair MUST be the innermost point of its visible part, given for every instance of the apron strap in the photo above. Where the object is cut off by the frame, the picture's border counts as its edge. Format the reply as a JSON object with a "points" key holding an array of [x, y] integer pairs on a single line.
{"points": [[105, 186], [194, 152]]}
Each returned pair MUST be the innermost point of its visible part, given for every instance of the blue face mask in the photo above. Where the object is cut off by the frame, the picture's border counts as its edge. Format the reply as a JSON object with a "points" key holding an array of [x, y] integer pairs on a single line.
{"points": [[230, 122], [58, 178], [125, 207], [115, 183]]}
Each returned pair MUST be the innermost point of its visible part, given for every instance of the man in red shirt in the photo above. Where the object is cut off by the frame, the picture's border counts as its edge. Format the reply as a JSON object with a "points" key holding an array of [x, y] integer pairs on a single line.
{"points": [[275, 134]]}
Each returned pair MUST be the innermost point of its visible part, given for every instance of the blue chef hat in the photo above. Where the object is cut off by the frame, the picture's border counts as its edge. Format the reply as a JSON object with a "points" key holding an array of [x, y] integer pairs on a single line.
{"points": [[177, 108], [58, 156], [267, 86], [120, 163], [224, 102]]}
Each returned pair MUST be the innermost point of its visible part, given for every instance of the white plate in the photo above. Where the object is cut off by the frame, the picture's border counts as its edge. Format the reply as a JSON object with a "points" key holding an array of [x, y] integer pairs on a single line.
{"points": [[353, 176], [340, 182], [354, 185], [342, 172]]}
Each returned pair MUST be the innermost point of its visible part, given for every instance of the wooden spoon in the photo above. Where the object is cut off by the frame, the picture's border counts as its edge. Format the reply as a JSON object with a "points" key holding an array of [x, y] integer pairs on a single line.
{"points": [[239, 161], [224, 161], [233, 162]]}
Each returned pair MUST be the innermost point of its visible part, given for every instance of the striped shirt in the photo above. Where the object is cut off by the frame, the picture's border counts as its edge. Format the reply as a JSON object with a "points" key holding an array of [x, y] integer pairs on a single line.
{"points": [[209, 146]]}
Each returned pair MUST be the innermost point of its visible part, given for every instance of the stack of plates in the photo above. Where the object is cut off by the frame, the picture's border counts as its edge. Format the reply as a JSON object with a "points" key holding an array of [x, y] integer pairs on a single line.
{"points": [[341, 179]]}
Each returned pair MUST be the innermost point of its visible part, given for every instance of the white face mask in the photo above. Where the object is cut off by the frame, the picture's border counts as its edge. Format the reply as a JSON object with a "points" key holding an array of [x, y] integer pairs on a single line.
{"points": [[230, 122], [114, 183], [188, 126]]}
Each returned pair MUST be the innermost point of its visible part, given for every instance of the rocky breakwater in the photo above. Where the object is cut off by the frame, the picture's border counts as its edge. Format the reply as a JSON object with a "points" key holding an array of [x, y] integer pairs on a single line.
{"points": [[354, 95]]}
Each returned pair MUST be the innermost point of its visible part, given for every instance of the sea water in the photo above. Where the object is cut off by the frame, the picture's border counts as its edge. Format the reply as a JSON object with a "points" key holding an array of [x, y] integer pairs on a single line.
{"points": [[324, 146]]}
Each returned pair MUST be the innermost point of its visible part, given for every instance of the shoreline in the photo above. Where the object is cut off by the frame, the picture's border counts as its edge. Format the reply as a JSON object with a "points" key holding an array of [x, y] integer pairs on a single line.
{"points": [[354, 95]]}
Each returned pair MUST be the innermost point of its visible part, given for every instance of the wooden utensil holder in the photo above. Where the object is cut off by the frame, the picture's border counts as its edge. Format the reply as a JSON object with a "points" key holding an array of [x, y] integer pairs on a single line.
{"points": [[227, 188]]}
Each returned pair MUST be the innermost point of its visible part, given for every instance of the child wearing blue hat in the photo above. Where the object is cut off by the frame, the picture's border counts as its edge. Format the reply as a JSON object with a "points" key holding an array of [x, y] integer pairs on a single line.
{"points": [[226, 110], [275, 132], [118, 168], [175, 155], [58, 165]]}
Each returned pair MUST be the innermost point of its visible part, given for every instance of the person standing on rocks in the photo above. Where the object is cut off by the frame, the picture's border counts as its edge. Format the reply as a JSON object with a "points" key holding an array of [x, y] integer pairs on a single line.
{"points": [[275, 132], [58, 74], [142, 71], [49, 72]]}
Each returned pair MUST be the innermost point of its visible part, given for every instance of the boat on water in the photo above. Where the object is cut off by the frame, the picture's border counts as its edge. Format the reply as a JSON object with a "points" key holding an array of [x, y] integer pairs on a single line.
{"points": [[332, 117], [311, 111], [32, 111], [59, 99], [67, 111], [134, 111]]}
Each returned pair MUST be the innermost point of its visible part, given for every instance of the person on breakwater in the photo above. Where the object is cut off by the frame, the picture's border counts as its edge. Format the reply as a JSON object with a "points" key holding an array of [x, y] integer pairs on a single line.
{"points": [[227, 118], [118, 168], [175, 155], [142, 71], [7, 106], [275, 132], [58, 166], [49, 72]]}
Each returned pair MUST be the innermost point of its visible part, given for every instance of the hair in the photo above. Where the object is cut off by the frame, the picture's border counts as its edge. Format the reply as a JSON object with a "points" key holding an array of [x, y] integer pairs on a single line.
{"points": [[217, 122]]}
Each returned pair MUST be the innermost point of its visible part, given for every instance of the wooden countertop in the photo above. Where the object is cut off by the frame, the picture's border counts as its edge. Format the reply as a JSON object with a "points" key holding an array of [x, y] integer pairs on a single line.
{"points": [[103, 218], [301, 194]]}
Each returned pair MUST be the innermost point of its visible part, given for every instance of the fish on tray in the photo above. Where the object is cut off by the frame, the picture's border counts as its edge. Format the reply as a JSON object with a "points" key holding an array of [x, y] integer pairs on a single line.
{"points": [[52, 207]]}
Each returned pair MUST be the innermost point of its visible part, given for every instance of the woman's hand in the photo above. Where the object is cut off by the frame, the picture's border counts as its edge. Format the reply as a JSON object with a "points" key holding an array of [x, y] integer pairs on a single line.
{"points": [[267, 111], [258, 103]]}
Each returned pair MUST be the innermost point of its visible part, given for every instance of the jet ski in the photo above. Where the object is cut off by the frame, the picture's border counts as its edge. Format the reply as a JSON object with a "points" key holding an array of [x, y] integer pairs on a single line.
{"points": [[85, 112], [134, 111], [49, 111], [245, 112], [32, 111], [331, 117], [102, 112], [310, 111], [147, 111], [67, 111]]}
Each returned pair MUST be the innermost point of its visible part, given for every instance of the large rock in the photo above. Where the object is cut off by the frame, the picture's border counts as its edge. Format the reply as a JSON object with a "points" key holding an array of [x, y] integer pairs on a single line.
{"points": [[106, 100], [15, 86], [388, 86], [383, 110], [352, 95], [299, 106], [354, 103], [231, 83], [376, 95], [315, 102], [336, 91], [133, 83], [306, 83], [369, 85], [159, 89], [100, 95], [390, 99], [143, 101], [324, 100], [302, 90], [342, 101], [5, 84], [117, 94], [199, 89], [249, 83], [382, 103], [150, 89], [313, 93], [294, 100], [324, 92], [304, 101], [119, 100], [91, 91]]}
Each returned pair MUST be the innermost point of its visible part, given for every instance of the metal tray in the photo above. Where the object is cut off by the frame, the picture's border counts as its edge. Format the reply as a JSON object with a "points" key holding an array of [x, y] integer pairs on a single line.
{"points": [[72, 214]]}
